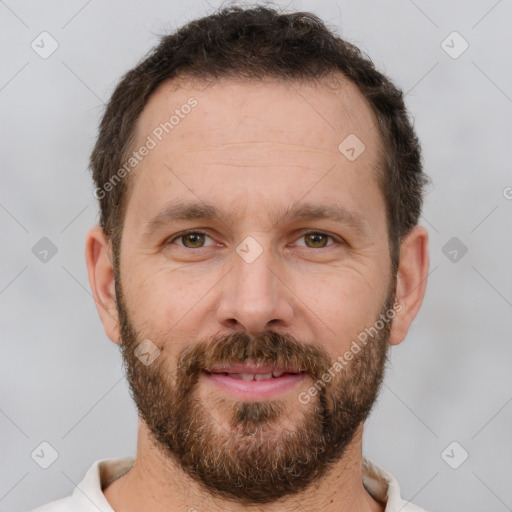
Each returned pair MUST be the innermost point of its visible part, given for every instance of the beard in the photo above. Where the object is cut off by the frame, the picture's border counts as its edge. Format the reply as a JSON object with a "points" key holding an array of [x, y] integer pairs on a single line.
{"points": [[261, 451]]}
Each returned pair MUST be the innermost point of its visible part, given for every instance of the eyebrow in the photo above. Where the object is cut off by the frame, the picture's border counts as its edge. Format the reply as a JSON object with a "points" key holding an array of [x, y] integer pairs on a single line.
{"points": [[184, 211]]}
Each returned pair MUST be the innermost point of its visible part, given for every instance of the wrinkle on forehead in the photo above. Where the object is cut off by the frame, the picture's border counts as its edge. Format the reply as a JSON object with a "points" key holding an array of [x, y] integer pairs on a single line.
{"points": [[326, 106], [251, 124]]}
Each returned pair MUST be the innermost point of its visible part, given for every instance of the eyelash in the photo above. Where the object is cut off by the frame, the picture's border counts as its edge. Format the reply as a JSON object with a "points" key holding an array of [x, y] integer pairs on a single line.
{"points": [[198, 232]]}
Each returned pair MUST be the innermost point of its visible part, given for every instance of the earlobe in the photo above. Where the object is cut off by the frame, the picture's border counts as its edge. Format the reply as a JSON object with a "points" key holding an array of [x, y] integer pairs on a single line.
{"points": [[411, 281], [101, 279]]}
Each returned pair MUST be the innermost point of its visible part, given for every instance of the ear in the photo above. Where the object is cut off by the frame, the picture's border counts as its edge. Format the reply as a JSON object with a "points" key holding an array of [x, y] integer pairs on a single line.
{"points": [[101, 279], [411, 281]]}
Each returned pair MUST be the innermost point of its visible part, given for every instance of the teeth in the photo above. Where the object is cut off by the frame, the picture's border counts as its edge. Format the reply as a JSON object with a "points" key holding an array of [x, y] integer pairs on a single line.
{"points": [[263, 376], [252, 376]]}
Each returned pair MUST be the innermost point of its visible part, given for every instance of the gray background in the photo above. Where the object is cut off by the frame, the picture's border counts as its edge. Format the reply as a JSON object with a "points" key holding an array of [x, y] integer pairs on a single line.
{"points": [[61, 377]]}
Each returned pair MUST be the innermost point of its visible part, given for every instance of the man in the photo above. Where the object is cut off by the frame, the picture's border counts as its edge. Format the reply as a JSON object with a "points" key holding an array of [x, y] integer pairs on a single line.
{"points": [[260, 185]]}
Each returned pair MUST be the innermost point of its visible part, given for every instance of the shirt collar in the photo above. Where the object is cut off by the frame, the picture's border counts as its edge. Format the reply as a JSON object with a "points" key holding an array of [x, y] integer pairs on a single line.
{"points": [[88, 494]]}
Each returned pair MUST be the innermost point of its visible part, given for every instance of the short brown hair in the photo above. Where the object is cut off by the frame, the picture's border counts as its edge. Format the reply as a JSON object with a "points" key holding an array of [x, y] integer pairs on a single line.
{"points": [[255, 43]]}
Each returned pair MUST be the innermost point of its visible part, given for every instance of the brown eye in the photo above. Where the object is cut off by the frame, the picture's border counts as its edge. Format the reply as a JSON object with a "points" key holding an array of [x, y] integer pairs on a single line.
{"points": [[316, 240], [192, 240]]}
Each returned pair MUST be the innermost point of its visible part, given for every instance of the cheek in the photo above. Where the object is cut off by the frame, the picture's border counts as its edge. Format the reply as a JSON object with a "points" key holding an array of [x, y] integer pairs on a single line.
{"points": [[340, 307], [165, 303]]}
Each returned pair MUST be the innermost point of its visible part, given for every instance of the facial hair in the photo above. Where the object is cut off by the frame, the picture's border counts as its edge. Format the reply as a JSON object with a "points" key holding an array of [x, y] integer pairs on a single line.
{"points": [[251, 459]]}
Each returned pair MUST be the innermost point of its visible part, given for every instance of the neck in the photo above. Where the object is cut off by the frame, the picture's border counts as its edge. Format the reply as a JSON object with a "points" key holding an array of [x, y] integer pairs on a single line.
{"points": [[158, 484]]}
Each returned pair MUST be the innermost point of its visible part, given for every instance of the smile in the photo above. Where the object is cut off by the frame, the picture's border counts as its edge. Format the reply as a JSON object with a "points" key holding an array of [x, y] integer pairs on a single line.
{"points": [[252, 382], [256, 376]]}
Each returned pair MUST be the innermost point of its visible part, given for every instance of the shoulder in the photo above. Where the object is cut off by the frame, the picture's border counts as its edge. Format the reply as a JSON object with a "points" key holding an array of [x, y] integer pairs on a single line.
{"points": [[383, 486], [88, 495]]}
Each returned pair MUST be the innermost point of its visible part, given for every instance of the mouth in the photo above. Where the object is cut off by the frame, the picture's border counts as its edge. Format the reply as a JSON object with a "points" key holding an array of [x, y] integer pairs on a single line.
{"points": [[253, 382]]}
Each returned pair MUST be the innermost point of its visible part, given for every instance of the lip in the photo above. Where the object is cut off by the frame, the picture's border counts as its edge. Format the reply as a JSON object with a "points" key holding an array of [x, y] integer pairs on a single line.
{"points": [[253, 389], [252, 368]]}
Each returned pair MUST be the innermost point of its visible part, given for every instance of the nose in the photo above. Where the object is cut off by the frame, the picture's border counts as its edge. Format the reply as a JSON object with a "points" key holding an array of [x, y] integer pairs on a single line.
{"points": [[255, 296]]}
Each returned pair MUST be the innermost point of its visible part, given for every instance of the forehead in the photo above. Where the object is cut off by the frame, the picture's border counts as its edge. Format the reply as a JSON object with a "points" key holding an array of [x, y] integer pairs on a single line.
{"points": [[332, 107], [257, 138]]}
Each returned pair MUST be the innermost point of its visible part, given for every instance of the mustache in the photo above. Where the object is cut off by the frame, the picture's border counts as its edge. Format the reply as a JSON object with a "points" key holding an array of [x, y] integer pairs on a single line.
{"points": [[267, 348]]}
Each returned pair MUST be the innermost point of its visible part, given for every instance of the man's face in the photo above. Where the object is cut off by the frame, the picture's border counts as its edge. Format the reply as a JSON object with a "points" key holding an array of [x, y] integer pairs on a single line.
{"points": [[266, 286]]}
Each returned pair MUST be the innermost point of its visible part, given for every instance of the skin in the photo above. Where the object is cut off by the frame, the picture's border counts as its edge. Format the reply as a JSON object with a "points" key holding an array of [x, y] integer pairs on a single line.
{"points": [[253, 149]]}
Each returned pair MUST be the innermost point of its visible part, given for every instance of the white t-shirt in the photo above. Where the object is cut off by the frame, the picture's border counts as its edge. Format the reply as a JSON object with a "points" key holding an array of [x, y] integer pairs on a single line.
{"points": [[88, 494]]}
